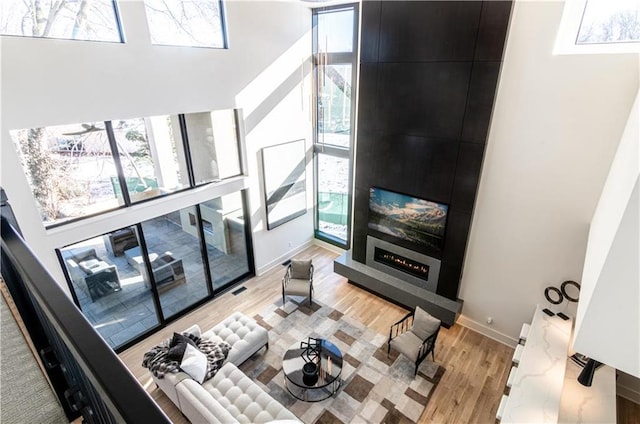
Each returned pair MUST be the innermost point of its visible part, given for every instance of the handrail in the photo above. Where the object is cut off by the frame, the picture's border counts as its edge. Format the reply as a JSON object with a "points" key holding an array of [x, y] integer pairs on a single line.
{"points": [[123, 396]]}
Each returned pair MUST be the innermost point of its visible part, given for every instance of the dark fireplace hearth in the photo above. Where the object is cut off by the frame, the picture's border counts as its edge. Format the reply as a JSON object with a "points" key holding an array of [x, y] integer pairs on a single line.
{"points": [[401, 263]]}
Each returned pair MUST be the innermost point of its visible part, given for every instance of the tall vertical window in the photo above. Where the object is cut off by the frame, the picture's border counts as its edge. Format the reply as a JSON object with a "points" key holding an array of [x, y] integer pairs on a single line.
{"points": [[92, 20], [333, 195], [335, 32], [192, 23]]}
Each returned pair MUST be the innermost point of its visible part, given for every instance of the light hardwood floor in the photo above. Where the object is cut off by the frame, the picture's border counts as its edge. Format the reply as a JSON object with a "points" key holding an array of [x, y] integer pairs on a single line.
{"points": [[476, 366]]}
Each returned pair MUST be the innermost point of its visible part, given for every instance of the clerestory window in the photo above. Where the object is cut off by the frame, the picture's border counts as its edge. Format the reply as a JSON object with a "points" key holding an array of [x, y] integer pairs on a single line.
{"points": [[81, 170], [190, 23], [611, 21], [90, 20], [599, 26]]}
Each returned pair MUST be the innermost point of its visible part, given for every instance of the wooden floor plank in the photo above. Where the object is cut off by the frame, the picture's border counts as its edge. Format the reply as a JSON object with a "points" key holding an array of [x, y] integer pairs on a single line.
{"points": [[476, 366], [627, 411]]}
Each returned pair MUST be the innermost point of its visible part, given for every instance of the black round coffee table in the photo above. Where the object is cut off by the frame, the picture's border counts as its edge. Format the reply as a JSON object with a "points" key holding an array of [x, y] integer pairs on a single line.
{"points": [[320, 385]]}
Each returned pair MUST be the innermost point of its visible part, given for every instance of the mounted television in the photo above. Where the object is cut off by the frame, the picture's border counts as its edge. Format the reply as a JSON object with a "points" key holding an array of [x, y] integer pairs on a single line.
{"points": [[411, 222]]}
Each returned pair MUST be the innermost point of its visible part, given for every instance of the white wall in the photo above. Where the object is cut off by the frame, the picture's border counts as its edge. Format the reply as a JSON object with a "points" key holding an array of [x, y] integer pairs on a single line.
{"points": [[556, 124], [608, 319], [50, 82]]}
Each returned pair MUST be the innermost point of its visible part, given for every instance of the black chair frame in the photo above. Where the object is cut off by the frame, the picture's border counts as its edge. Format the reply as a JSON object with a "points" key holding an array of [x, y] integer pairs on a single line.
{"points": [[428, 345]]}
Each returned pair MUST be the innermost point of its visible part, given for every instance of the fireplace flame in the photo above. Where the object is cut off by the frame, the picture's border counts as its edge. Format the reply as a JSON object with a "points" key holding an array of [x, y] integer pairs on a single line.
{"points": [[403, 264], [406, 264]]}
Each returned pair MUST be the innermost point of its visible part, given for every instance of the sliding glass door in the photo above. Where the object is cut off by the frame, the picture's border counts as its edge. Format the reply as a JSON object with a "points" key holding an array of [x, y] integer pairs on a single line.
{"points": [[223, 224], [132, 281], [175, 257], [110, 286]]}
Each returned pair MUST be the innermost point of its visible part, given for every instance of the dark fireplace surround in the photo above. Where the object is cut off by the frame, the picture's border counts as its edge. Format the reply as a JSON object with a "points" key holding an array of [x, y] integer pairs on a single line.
{"points": [[428, 76]]}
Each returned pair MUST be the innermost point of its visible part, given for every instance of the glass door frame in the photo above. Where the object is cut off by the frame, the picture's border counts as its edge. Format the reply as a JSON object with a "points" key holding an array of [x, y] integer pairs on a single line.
{"points": [[162, 320]]}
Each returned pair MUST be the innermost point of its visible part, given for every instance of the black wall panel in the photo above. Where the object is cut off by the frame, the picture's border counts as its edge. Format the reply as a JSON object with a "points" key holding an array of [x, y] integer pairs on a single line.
{"points": [[458, 224], [432, 172], [494, 21], [423, 98], [370, 32], [360, 216], [367, 103], [482, 88], [428, 76], [428, 31], [468, 167], [449, 279]]}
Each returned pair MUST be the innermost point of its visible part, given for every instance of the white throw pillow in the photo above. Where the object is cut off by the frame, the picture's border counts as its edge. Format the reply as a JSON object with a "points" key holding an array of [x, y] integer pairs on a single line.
{"points": [[193, 330], [194, 363]]}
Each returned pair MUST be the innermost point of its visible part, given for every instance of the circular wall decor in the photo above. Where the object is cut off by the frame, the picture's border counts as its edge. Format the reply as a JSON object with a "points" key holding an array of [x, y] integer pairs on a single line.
{"points": [[555, 290], [569, 283]]}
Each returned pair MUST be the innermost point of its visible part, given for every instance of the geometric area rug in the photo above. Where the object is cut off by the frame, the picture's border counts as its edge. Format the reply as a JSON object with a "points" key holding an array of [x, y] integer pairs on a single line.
{"points": [[374, 388]]}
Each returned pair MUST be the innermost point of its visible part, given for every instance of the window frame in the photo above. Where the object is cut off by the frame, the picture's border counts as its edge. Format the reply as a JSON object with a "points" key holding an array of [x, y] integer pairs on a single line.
{"points": [[223, 27], [569, 29], [190, 180], [213, 292], [319, 147], [118, 23]]}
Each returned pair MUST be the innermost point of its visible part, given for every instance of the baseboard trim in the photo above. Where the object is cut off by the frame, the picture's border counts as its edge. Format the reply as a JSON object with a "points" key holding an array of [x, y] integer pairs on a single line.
{"points": [[278, 261], [328, 246], [628, 393], [486, 331]]}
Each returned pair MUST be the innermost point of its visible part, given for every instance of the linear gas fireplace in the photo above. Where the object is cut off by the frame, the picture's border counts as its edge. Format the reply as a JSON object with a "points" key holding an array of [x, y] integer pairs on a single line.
{"points": [[407, 265], [401, 263]]}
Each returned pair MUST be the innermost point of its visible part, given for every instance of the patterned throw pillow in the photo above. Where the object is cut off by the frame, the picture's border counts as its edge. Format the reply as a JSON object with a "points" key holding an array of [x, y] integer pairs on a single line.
{"points": [[157, 360], [216, 352]]}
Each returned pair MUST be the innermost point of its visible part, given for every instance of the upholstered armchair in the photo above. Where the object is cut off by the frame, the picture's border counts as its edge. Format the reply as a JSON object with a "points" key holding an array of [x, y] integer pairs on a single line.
{"points": [[414, 336], [298, 279]]}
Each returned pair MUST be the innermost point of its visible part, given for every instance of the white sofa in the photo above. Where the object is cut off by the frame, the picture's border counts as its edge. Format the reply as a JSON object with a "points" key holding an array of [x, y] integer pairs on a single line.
{"points": [[230, 396]]}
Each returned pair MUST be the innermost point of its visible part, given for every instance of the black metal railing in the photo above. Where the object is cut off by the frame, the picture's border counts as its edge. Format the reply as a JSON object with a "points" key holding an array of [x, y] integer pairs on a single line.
{"points": [[86, 374]]}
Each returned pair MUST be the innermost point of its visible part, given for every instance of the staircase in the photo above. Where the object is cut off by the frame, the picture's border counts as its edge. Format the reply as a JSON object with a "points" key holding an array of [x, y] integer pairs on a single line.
{"points": [[26, 396]]}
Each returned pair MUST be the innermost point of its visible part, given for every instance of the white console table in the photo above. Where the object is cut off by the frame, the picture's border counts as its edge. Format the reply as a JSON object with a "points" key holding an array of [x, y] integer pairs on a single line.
{"points": [[545, 389]]}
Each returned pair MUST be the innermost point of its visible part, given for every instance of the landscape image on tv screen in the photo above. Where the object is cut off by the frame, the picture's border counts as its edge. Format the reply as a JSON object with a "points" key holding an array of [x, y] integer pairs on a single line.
{"points": [[408, 218]]}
